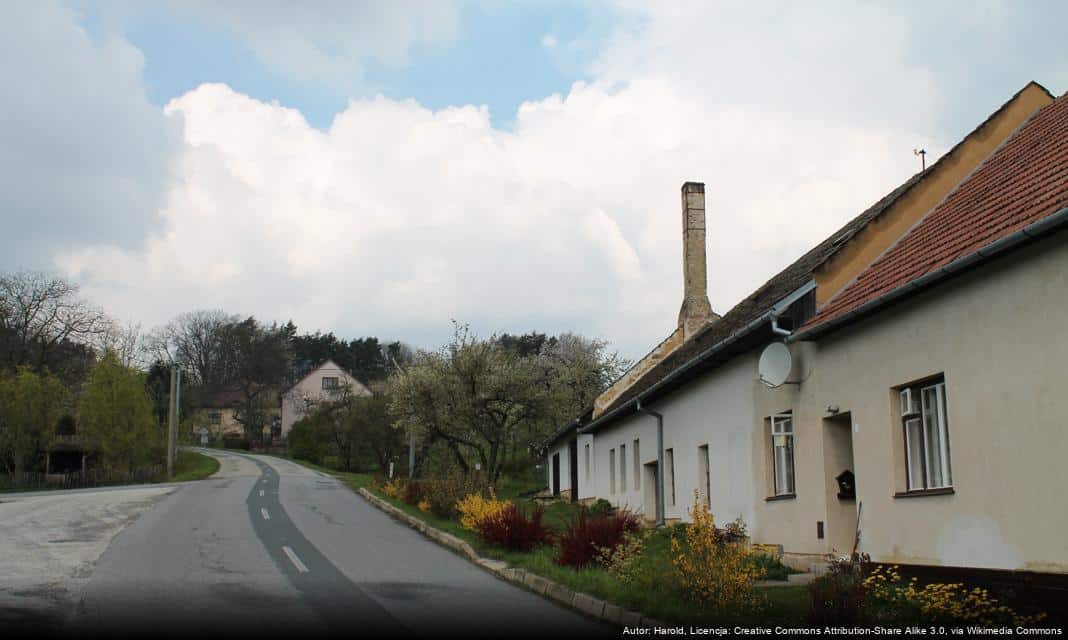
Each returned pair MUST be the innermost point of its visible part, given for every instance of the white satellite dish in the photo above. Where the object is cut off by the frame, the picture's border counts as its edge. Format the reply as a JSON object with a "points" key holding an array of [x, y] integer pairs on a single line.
{"points": [[775, 363]]}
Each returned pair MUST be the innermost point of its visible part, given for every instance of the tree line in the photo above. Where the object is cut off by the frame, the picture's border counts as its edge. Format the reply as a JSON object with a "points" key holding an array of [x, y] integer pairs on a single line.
{"points": [[64, 361], [473, 403]]}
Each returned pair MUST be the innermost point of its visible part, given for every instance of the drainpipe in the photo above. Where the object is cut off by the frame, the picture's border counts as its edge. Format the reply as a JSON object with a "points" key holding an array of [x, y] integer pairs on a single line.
{"points": [[659, 459], [775, 325]]}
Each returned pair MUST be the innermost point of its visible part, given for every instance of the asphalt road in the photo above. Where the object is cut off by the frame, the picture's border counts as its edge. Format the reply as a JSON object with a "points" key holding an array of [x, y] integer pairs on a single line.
{"points": [[270, 547]]}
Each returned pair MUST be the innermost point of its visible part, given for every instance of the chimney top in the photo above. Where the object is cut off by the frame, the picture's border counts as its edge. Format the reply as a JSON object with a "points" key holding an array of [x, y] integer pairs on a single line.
{"points": [[695, 311]]}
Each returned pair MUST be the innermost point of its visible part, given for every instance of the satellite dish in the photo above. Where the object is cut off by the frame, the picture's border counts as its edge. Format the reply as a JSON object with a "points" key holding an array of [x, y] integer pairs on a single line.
{"points": [[775, 363]]}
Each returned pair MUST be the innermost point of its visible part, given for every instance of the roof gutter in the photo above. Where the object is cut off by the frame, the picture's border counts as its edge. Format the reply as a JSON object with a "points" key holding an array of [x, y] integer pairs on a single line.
{"points": [[765, 317], [1029, 233]]}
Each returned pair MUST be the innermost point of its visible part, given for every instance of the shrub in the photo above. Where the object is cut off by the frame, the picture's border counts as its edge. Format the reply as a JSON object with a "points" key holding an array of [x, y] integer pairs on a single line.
{"points": [[623, 562], [424, 506], [602, 508], [444, 493], [947, 603], [838, 596], [513, 530], [475, 508], [771, 568], [413, 492], [394, 488], [711, 570], [243, 443], [586, 537]]}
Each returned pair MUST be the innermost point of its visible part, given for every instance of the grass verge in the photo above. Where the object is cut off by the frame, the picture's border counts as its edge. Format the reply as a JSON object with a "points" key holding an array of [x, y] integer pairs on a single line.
{"points": [[190, 465]]}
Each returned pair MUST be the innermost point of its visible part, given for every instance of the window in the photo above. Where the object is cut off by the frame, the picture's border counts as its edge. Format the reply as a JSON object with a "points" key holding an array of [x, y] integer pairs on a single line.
{"points": [[329, 382], [622, 467], [704, 479], [587, 462], [611, 470], [782, 453], [925, 427], [215, 417], [669, 476], [637, 467]]}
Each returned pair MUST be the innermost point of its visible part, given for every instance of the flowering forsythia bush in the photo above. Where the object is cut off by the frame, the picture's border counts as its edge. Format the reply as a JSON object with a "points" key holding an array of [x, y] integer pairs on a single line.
{"points": [[712, 571], [394, 488], [623, 560], [938, 602], [424, 506], [474, 508]]}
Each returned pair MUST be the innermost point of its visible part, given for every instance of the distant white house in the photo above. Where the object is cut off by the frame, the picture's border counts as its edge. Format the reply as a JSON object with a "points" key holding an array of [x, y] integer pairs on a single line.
{"points": [[321, 383]]}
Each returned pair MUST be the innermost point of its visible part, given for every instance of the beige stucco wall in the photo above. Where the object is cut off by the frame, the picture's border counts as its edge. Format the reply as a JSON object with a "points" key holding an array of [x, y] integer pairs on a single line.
{"points": [[227, 426], [997, 336], [309, 390]]}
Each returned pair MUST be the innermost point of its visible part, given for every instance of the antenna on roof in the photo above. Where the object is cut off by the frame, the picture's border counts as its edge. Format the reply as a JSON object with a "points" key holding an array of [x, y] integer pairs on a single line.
{"points": [[923, 158]]}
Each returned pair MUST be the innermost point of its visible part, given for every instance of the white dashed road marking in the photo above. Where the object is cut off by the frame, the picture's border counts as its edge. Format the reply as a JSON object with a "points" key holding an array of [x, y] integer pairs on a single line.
{"points": [[266, 516], [295, 560]]}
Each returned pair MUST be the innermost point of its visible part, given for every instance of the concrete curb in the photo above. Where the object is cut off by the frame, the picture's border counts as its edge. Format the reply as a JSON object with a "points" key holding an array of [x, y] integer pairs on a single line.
{"points": [[581, 602]]}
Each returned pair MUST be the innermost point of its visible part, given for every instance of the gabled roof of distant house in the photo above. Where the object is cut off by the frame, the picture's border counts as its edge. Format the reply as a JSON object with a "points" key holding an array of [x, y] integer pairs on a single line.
{"points": [[1014, 195], [737, 330], [320, 366], [224, 399]]}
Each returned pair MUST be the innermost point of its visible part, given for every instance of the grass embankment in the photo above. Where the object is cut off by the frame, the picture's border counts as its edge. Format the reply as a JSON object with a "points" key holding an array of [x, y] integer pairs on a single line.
{"points": [[190, 465]]}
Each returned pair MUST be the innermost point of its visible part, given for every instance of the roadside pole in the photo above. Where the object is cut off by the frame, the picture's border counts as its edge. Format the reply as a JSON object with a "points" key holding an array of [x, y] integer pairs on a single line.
{"points": [[171, 410]]}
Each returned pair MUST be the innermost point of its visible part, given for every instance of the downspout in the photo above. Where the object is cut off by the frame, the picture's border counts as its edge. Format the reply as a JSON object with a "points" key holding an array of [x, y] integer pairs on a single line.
{"points": [[776, 328], [659, 459]]}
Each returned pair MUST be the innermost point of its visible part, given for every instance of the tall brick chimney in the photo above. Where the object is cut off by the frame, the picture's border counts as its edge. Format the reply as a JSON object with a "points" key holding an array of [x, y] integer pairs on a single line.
{"points": [[695, 311]]}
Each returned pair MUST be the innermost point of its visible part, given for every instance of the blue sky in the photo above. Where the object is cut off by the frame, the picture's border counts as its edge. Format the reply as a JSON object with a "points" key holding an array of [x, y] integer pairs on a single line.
{"points": [[498, 58], [331, 162]]}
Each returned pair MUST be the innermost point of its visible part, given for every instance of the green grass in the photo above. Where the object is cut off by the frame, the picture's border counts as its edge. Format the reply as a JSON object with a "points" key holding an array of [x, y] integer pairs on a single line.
{"points": [[190, 465]]}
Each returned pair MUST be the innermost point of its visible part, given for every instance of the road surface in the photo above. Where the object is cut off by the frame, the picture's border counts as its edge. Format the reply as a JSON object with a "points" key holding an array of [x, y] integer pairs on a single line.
{"points": [[268, 546]]}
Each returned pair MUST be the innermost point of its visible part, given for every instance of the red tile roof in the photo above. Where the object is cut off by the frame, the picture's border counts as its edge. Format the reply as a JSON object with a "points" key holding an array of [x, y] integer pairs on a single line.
{"points": [[1022, 182]]}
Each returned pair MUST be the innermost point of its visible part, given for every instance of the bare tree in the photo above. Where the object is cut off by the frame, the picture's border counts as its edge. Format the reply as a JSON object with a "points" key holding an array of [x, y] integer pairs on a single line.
{"points": [[128, 343], [195, 341], [39, 313]]}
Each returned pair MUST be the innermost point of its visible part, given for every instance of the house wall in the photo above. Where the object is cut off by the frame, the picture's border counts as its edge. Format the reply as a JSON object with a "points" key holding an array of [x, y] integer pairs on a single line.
{"points": [[227, 426], [716, 411], [310, 390], [996, 335]]}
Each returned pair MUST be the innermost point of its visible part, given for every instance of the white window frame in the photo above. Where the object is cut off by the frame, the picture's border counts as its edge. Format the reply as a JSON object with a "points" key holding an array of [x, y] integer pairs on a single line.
{"points": [[782, 426], [333, 387], [919, 412], [622, 468]]}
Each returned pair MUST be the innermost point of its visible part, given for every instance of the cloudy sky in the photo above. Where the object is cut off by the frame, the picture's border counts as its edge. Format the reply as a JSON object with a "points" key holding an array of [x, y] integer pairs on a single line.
{"points": [[379, 168]]}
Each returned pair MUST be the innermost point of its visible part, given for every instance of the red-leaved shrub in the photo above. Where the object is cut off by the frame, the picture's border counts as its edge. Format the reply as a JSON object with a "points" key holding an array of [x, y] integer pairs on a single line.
{"points": [[513, 530], [579, 543], [413, 492]]}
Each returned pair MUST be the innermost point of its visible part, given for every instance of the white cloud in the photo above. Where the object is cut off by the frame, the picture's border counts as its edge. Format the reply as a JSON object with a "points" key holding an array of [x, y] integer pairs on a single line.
{"points": [[84, 157], [548, 41], [398, 218]]}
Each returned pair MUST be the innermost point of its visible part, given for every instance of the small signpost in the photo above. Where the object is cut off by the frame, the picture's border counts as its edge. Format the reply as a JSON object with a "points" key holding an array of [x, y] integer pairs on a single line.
{"points": [[203, 436]]}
